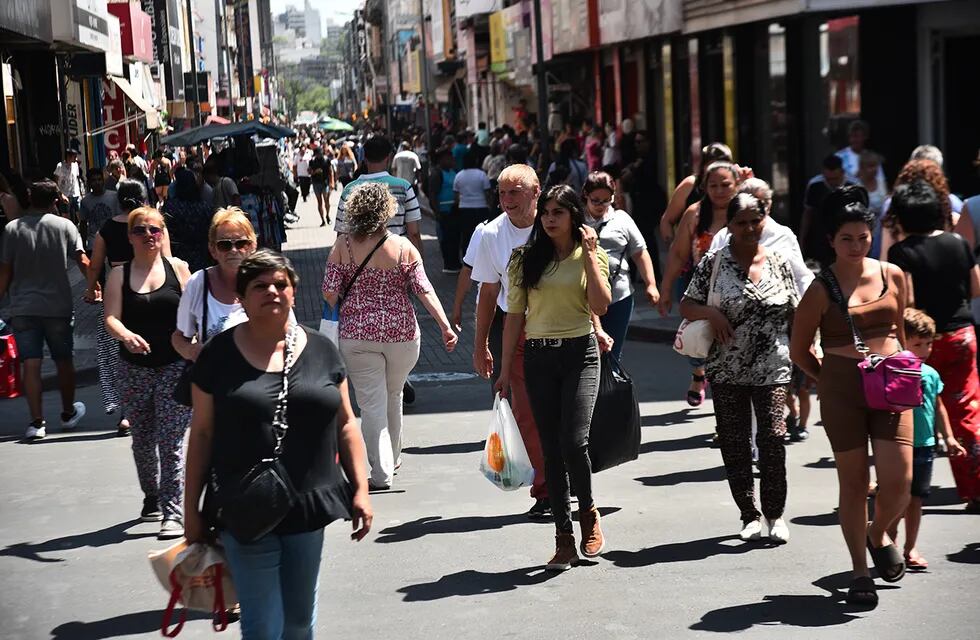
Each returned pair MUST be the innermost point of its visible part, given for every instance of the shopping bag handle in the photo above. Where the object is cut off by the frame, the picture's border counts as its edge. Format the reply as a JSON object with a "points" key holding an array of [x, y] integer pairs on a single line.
{"points": [[220, 620], [175, 592]]}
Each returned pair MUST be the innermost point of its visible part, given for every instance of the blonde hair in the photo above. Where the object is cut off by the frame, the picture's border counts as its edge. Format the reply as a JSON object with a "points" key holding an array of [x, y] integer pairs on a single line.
{"points": [[368, 208], [521, 174], [144, 212], [233, 216]]}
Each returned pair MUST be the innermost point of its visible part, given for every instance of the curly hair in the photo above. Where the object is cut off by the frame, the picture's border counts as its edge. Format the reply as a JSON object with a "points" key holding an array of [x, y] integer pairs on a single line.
{"points": [[932, 174], [368, 208]]}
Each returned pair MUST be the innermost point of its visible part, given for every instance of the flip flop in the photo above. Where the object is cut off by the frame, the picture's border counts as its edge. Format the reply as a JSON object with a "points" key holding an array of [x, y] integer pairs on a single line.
{"points": [[696, 398], [862, 592], [887, 560], [916, 564]]}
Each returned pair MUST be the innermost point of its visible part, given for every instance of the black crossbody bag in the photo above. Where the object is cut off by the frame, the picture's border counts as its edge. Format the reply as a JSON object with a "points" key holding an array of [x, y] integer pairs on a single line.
{"points": [[182, 391]]}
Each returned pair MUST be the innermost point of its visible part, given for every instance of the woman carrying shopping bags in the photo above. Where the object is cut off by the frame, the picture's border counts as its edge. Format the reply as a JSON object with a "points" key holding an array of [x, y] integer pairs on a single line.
{"points": [[379, 336], [559, 287]]}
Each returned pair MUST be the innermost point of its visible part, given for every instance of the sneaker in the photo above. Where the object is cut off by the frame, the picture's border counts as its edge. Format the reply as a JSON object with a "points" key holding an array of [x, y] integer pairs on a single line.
{"points": [[171, 528], [778, 531], [593, 542], [70, 420], [565, 554], [792, 424], [751, 530], [123, 429], [800, 435], [151, 510], [36, 430], [540, 510]]}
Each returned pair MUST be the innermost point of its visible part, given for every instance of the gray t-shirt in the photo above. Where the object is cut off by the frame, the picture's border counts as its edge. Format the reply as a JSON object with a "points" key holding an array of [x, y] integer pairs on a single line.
{"points": [[95, 211], [621, 238], [40, 248]]}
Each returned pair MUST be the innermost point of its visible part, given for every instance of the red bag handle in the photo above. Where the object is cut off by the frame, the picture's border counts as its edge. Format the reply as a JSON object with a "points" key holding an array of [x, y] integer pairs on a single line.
{"points": [[220, 620], [168, 614]]}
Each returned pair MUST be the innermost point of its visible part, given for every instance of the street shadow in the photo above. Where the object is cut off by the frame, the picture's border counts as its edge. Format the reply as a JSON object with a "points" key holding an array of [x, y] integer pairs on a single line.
{"points": [[455, 447], [713, 474], [475, 583], [946, 512], [690, 551], [943, 496], [807, 611], [970, 554], [125, 625], [823, 463], [435, 525], [79, 437], [817, 520], [674, 418], [699, 441], [103, 537]]}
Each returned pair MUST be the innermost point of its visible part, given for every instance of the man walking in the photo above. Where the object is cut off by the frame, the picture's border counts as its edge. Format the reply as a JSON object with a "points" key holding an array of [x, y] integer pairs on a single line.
{"points": [[36, 251], [69, 177]]}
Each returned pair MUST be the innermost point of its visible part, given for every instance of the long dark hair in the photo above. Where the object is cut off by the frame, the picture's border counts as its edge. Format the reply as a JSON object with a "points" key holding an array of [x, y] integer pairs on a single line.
{"points": [[540, 255], [705, 206]]}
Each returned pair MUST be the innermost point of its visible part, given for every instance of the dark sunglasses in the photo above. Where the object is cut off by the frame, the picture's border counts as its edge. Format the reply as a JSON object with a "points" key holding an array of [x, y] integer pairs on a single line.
{"points": [[145, 229], [226, 245]]}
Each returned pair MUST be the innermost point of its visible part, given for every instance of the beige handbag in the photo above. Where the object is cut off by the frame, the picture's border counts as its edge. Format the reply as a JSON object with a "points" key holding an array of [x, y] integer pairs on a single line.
{"points": [[197, 576], [694, 339]]}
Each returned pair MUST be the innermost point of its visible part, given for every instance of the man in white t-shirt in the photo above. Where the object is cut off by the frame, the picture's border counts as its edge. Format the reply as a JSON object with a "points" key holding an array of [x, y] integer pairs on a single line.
{"points": [[519, 190], [406, 164], [69, 178], [301, 169]]}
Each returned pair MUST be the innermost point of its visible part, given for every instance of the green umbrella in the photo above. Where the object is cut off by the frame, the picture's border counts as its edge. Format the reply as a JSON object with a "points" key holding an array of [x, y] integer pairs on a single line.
{"points": [[331, 124]]}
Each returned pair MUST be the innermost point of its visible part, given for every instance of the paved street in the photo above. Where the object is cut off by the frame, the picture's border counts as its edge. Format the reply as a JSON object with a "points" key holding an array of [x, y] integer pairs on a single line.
{"points": [[453, 557]]}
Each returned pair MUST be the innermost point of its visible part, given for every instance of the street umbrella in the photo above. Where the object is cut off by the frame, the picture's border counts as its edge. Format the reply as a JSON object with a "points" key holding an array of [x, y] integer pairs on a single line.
{"points": [[331, 124], [196, 135]]}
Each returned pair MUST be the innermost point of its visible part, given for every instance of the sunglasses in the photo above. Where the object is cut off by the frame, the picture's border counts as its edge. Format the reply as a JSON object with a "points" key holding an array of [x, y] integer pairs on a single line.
{"points": [[145, 229], [599, 203], [225, 246]]}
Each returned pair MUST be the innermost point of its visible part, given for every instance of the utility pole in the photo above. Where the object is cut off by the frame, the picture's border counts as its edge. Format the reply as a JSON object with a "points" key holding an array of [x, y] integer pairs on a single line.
{"points": [[425, 83], [190, 33], [543, 133]]}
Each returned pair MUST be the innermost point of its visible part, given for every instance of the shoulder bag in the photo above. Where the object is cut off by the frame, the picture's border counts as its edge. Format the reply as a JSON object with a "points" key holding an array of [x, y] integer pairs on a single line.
{"points": [[694, 339], [622, 257], [182, 390], [253, 504], [891, 383], [330, 316]]}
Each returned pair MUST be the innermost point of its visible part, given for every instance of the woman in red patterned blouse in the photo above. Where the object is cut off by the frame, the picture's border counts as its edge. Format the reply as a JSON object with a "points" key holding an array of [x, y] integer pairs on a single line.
{"points": [[379, 334]]}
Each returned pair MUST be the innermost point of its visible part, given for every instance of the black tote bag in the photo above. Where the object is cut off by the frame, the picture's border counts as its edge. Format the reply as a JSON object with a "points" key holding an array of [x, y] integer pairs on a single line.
{"points": [[614, 436]]}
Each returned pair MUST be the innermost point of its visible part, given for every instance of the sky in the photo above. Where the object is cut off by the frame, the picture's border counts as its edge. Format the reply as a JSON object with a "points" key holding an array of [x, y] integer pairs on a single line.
{"points": [[340, 11]]}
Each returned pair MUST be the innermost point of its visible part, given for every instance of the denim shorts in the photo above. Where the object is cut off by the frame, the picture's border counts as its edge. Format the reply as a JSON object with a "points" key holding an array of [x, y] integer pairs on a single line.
{"points": [[319, 188], [31, 332], [922, 458]]}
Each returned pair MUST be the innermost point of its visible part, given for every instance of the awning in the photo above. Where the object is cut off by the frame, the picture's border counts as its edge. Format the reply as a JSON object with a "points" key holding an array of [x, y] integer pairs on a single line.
{"points": [[152, 116], [444, 85]]}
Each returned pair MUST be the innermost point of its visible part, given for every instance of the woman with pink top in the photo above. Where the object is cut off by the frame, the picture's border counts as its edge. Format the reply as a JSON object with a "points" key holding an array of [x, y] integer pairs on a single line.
{"points": [[370, 278]]}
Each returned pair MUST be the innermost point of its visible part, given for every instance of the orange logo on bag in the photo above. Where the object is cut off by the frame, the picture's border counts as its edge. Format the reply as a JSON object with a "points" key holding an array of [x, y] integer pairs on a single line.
{"points": [[495, 452]]}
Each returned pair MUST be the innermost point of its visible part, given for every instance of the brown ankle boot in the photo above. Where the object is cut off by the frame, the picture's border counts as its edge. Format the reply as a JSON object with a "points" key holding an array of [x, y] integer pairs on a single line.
{"points": [[592, 540], [565, 554]]}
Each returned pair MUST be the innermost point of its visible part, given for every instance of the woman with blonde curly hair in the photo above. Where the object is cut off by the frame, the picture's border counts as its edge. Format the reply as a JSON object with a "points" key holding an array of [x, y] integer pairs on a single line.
{"points": [[370, 279], [932, 174]]}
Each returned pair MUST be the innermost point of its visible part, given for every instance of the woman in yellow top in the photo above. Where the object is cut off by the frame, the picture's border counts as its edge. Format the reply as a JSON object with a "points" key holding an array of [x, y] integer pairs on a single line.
{"points": [[559, 285]]}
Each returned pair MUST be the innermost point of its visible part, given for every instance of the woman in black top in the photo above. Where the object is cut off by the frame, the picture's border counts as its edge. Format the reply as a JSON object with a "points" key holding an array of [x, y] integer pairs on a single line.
{"points": [[141, 300], [237, 379], [944, 278], [189, 216]]}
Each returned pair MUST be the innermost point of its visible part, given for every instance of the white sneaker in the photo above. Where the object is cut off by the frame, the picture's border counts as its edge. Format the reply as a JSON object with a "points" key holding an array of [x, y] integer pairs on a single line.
{"points": [[35, 433], [778, 531], [72, 422], [751, 530]]}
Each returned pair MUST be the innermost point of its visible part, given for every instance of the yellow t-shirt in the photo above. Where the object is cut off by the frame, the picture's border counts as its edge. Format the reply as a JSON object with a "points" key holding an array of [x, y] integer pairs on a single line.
{"points": [[558, 307]]}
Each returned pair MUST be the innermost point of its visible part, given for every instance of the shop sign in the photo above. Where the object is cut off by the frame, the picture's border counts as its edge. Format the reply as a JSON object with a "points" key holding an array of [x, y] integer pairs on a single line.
{"points": [[114, 110], [113, 56], [31, 18], [136, 28], [569, 25], [436, 11], [91, 24], [73, 111], [498, 43], [622, 20], [467, 8]]}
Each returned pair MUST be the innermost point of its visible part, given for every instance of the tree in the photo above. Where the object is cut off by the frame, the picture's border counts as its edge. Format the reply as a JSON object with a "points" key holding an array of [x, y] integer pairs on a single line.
{"points": [[314, 98]]}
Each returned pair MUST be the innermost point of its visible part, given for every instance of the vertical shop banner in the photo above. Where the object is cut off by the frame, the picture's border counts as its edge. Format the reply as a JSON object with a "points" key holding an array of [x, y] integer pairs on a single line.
{"points": [[498, 43], [668, 71], [728, 76], [547, 37], [438, 51], [114, 110], [75, 119]]}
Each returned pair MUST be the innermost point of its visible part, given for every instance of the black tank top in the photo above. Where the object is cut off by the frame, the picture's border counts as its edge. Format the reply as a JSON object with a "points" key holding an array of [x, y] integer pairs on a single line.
{"points": [[116, 237], [153, 316]]}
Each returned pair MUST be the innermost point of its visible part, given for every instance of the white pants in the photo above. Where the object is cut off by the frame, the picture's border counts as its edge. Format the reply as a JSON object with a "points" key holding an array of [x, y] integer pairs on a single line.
{"points": [[378, 371]]}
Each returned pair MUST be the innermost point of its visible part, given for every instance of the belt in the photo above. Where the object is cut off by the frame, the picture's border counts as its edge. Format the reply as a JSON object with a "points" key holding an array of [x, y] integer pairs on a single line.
{"points": [[538, 343]]}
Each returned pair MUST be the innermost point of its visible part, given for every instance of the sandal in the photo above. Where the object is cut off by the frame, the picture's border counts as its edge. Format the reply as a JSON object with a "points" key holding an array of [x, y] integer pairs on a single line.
{"points": [[695, 398], [862, 592], [123, 428], [888, 561], [918, 563]]}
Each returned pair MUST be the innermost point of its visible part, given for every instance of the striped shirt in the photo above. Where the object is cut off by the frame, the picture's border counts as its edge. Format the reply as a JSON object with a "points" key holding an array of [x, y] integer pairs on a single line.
{"points": [[408, 204]]}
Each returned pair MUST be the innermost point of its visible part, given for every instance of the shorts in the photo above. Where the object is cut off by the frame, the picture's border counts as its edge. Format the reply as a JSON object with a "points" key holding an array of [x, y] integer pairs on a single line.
{"points": [[798, 381], [922, 458], [320, 188], [31, 332], [848, 421]]}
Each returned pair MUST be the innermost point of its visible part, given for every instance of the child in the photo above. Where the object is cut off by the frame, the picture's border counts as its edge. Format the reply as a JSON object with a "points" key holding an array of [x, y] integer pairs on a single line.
{"points": [[930, 418]]}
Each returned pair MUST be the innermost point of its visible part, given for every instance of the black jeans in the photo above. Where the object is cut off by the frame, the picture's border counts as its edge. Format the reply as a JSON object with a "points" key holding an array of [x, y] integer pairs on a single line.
{"points": [[566, 381], [468, 221], [449, 239], [304, 186]]}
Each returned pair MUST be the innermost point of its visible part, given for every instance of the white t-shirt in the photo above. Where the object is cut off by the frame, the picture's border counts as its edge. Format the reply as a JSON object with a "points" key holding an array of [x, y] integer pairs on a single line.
{"points": [[474, 246], [405, 164], [852, 162], [500, 238], [779, 238], [221, 316], [68, 179], [472, 185], [302, 162]]}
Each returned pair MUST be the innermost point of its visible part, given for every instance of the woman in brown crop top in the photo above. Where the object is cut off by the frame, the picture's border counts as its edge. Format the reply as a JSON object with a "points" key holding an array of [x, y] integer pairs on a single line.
{"points": [[876, 296]]}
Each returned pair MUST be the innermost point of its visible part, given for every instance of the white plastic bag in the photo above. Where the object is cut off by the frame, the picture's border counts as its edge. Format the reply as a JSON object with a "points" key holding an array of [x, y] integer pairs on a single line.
{"points": [[505, 462], [694, 339], [197, 576]]}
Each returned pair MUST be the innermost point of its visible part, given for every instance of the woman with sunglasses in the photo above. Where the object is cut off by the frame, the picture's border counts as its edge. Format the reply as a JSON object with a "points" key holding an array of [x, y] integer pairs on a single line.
{"points": [[141, 301], [231, 239]]}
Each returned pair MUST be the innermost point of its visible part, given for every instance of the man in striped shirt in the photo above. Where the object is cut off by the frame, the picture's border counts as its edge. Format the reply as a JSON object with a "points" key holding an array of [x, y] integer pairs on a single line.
{"points": [[378, 152]]}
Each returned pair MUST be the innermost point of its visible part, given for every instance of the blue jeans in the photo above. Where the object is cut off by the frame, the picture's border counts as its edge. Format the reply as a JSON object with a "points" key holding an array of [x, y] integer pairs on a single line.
{"points": [[276, 580], [32, 332], [616, 322]]}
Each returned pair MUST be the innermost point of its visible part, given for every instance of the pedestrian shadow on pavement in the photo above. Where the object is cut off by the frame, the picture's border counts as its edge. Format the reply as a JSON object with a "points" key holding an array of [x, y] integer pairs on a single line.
{"points": [[970, 554], [434, 525], [455, 447], [792, 610], [475, 583], [817, 520], [125, 625], [714, 474], [673, 418], [823, 463], [103, 537], [943, 496], [699, 441], [78, 437], [690, 551]]}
